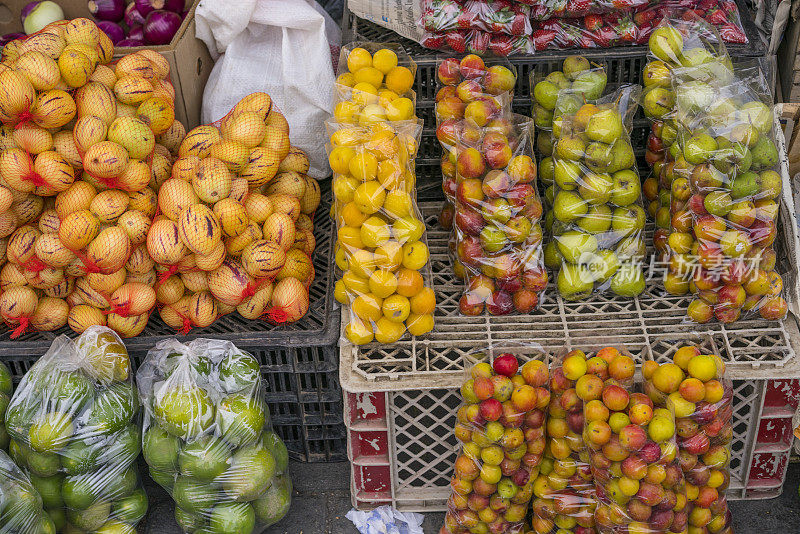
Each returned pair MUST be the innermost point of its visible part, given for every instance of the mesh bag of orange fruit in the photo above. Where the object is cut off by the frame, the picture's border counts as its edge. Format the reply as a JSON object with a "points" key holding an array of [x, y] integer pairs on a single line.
{"points": [[208, 439], [564, 491], [75, 431], [501, 430], [234, 231], [694, 384], [20, 503]]}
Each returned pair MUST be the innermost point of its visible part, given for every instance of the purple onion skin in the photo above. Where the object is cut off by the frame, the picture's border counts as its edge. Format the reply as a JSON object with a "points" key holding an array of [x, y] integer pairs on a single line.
{"points": [[112, 29], [145, 7], [112, 10], [130, 42], [160, 26], [176, 6], [7, 38], [133, 17], [27, 10], [137, 33]]}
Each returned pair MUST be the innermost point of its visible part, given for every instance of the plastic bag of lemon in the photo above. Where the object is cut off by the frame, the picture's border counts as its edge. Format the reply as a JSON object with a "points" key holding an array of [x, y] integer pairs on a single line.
{"points": [[74, 428], [381, 248], [374, 83], [207, 437], [21, 509]]}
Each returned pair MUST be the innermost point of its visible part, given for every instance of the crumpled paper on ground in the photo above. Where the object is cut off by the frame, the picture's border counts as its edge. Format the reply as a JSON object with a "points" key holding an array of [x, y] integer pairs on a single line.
{"points": [[386, 520]]}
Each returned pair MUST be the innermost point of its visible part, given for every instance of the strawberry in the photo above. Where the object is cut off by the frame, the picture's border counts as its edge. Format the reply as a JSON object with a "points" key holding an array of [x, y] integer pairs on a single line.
{"points": [[644, 16], [542, 38], [732, 34], [592, 22], [717, 17], [625, 4], [705, 5], [501, 45], [643, 33], [478, 42], [520, 24], [578, 8], [433, 40], [466, 20], [585, 41], [604, 36], [456, 41]]}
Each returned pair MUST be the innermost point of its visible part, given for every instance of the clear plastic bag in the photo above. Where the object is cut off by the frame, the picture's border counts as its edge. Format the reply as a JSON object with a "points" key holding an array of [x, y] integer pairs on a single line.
{"points": [[723, 17], [6, 389], [74, 428], [381, 244], [375, 83], [498, 217], [501, 429], [695, 386], [504, 16], [565, 496], [21, 509], [728, 178], [598, 223], [548, 9], [208, 439], [589, 31], [479, 42]]}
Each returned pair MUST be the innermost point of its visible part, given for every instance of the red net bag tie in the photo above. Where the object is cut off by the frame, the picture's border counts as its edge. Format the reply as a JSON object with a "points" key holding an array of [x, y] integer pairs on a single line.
{"points": [[187, 324], [250, 290], [34, 264], [123, 310], [276, 315], [166, 274], [24, 323], [90, 265]]}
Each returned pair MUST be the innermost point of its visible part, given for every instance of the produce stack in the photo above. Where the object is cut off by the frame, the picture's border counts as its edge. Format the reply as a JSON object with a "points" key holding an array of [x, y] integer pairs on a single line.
{"points": [[235, 230], [380, 248], [694, 388], [6, 389], [74, 428], [501, 427], [598, 222], [20, 504], [141, 22], [85, 146], [208, 439], [564, 491]]}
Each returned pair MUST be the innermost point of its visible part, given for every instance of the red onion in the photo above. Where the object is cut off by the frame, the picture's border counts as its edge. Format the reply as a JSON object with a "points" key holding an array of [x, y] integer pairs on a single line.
{"points": [[160, 26], [132, 16], [7, 38], [136, 32], [145, 7], [130, 42], [26, 10], [112, 29], [112, 10]]}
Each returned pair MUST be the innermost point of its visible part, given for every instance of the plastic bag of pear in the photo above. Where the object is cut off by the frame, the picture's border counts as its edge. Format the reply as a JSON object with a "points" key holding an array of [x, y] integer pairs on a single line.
{"points": [[73, 423], [207, 437], [21, 509]]}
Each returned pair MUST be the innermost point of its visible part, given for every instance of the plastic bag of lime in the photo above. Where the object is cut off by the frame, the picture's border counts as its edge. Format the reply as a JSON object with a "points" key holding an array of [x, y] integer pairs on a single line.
{"points": [[74, 428], [6, 388], [208, 440], [21, 509]]}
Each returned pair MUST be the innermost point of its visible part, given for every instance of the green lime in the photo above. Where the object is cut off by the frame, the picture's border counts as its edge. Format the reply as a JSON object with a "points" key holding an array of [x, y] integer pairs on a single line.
{"points": [[4, 400], [44, 464], [232, 518], [160, 449], [19, 501], [200, 364], [188, 521], [71, 391], [120, 485], [165, 479], [275, 445], [241, 418], [50, 431], [16, 453], [59, 518], [251, 472], [274, 503], [6, 383], [204, 459], [185, 411], [239, 371], [132, 508], [46, 525], [49, 489], [114, 408], [114, 526], [90, 518], [18, 421], [125, 446], [79, 492], [4, 438], [78, 457], [194, 496]]}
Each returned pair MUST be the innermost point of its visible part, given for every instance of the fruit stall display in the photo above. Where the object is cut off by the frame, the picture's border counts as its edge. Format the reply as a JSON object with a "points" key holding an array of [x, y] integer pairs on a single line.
{"points": [[20, 503], [6, 389], [207, 437], [73, 424]]}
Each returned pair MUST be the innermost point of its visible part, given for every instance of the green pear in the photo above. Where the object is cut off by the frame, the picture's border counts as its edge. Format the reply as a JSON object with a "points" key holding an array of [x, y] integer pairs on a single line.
{"points": [[571, 147], [656, 74], [599, 157], [765, 154], [568, 206], [574, 65], [622, 156], [597, 219], [547, 170], [566, 174], [658, 102], [574, 282], [546, 94], [552, 256], [595, 188], [694, 96], [628, 281], [744, 185], [605, 264], [542, 117], [573, 244], [605, 126], [559, 78], [591, 83], [628, 220], [666, 43], [631, 248], [699, 148], [627, 188], [759, 115]]}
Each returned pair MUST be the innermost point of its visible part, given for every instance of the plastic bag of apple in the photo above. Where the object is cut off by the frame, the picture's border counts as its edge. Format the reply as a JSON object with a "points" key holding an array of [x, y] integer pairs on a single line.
{"points": [[498, 217], [469, 88], [695, 387], [21, 509], [564, 492], [598, 220], [728, 178], [501, 427]]}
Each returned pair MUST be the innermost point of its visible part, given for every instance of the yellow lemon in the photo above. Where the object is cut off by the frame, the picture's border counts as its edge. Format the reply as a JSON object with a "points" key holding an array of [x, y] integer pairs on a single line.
{"points": [[351, 215], [364, 93], [371, 114], [390, 174], [419, 324], [396, 308], [355, 283], [340, 292], [385, 96], [400, 80], [401, 109], [344, 187], [415, 255], [362, 263], [389, 256], [424, 302], [369, 196], [358, 332], [350, 238], [387, 331], [408, 229], [363, 166], [351, 136], [384, 60], [341, 258], [409, 282], [397, 204], [358, 59], [382, 283], [369, 75], [375, 232], [339, 159], [346, 79], [346, 112], [368, 307]]}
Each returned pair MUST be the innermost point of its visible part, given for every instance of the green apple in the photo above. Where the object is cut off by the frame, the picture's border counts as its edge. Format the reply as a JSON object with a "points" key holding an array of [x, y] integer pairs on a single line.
{"points": [[597, 220], [566, 174], [568, 206], [627, 188], [573, 244], [605, 126], [518, 228], [595, 188], [759, 115], [496, 210], [574, 65], [574, 282], [699, 148], [628, 281], [666, 43]]}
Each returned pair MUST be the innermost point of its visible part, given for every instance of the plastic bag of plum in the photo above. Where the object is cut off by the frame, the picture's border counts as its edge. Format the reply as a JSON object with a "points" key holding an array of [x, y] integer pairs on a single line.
{"points": [[501, 430], [598, 222], [564, 491], [729, 177], [495, 16], [694, 384], [498, 217], [479, 42], [468, 88]]}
